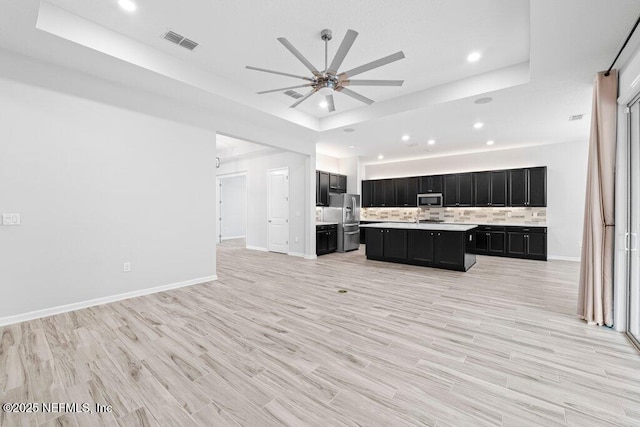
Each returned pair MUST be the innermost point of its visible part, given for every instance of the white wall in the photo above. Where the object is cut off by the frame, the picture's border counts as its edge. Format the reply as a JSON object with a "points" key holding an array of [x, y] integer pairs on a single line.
{"points": [[349, 166], [327, 163], [257, 216], [566, 183], [98, 186], [233, 206]]}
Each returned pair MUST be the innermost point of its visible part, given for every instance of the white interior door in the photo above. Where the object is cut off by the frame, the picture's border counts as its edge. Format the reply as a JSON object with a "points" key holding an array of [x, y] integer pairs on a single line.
{"points": [[278, 209]]}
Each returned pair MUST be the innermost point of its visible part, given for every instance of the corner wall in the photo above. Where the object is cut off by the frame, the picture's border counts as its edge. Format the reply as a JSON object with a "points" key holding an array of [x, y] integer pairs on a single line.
{"points": [[566, 183]]}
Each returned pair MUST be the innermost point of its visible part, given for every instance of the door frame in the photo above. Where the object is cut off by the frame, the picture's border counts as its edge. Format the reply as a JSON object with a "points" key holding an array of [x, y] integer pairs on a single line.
{"points": [[219, 202], [269, 171], [628, 232]]}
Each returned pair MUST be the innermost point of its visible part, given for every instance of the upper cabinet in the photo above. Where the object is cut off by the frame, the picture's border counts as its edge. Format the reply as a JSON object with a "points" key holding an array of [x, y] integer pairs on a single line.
{"points": [[383, 193], [430, 184], [458, 190], [528, 187], [498, 188], [328, 183], [337, 183], [406, 191], [490, 188]]}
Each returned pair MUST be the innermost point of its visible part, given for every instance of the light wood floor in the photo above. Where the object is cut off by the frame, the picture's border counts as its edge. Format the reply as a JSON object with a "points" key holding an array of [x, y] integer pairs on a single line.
{"points": [[274, 343]]}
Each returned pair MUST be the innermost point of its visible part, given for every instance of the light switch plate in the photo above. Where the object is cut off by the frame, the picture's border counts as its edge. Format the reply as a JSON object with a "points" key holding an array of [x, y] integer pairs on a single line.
{"points": [[10, 219]]}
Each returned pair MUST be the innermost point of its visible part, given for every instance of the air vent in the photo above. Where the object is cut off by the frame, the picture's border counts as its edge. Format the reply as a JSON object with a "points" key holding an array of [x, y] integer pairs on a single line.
{"points": [[293, 94], [180, 40], [576, 117]]}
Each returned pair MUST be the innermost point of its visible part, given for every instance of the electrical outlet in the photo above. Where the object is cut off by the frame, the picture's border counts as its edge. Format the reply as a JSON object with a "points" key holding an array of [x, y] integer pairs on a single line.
{"points": [[10, 219], [126, 267]]}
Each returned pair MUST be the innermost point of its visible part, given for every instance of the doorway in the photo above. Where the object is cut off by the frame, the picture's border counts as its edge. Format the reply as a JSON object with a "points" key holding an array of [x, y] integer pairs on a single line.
{"points": [[232, 203], [278, 210], [633, 222]]}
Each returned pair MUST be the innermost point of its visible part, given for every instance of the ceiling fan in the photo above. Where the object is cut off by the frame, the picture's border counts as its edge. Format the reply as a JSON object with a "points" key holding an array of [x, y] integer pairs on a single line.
{"points": [[330, 80]]}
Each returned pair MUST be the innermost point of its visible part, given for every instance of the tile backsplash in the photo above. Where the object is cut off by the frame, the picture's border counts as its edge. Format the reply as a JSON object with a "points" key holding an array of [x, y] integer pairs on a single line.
{"points": [[533, 216]]}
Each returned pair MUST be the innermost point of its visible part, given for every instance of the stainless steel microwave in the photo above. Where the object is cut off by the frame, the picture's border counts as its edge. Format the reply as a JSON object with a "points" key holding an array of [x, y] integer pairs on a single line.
{"points": [[430, 200]]}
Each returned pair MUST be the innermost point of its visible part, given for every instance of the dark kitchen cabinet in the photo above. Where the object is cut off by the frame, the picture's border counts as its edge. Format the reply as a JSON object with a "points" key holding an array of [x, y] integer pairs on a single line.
{"points": [[441, 249], [430, 184], [421, 247], [388, 244], [367, 196], [322, 188], [326, 239], [527, 242], [383, 193], [337, 183], [406, 190], [490, 188], [458, 190], [490, 240], [528, 187]]}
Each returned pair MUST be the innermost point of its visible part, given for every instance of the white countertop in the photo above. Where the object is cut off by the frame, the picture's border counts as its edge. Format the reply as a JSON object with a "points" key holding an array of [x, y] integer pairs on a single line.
{"points": [[326, 223], [421, 226]]}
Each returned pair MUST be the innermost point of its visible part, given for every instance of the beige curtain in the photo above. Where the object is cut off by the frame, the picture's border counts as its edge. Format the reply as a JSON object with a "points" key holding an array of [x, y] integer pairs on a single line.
{"points": [[595, 302]]}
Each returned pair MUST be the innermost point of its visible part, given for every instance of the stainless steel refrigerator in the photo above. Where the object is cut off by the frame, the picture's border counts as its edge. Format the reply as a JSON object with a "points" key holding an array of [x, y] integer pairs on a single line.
{"points": [[345, 210]]}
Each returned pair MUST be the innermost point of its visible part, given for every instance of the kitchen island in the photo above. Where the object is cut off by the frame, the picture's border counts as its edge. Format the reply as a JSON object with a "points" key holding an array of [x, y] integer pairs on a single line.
{"points": [[447, 246]]}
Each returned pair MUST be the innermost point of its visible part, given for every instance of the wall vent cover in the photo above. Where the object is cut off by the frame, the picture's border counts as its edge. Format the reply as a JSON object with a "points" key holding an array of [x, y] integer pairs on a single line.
{"points": [[576, 117], [180, 40]]}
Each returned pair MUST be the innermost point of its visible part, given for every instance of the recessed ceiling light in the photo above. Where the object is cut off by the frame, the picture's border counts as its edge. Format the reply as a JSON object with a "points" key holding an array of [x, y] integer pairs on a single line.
{"points": [[478, 125], [474, 56], [490, 142], [128, 5], [431, 141], [352, 146], [349, 130], [405, 137], [380, 157], [323, 104], [485, 100]]}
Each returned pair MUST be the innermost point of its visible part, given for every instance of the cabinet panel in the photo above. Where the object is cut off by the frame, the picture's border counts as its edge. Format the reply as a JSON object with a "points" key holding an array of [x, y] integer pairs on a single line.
{"points": [[537, 245], [497, 242], [406, 192], [430, 184], [482, 242], [383, 193], [367, 196], [322, 242], [450, 196], [465, 189], [537, 183], [420, 247], [323, 199], [450, 248], [318, 188], [332, 239], [498, 188], [375, 243], [395, 244], [516, 243], [517, 187], [482, 188]]}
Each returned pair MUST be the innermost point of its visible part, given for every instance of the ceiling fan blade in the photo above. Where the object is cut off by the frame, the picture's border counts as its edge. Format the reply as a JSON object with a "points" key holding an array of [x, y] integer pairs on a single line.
{"points": [[298, 55], [372, 82], [249, 67], [284, 88], [299, 101], [330, 105], [346, 44], [371, 65], [356, 95]]}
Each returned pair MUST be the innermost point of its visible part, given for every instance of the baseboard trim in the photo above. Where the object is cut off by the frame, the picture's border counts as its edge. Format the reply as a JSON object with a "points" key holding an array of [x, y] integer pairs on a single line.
{"points": [[563, 258], [310, 257], [257, 248], [233, 237], [46, 312], [299, 255]]}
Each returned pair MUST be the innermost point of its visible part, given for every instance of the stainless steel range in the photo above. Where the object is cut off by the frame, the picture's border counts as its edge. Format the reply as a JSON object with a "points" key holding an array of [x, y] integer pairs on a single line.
{"points": [[345, 210]]}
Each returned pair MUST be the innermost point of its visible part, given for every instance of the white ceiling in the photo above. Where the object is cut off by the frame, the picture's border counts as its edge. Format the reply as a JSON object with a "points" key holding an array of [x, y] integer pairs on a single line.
{"points": [[228, 148], [539, 59]]}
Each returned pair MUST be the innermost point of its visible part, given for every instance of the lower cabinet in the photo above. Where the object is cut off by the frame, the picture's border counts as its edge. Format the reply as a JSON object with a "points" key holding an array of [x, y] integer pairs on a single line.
{"points": [[513, 242], [530, 243], [326, 239], [442, 249]]}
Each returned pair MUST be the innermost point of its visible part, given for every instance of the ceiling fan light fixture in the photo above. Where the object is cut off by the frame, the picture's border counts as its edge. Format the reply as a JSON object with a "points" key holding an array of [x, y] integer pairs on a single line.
{"points": [[325, 90]]}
